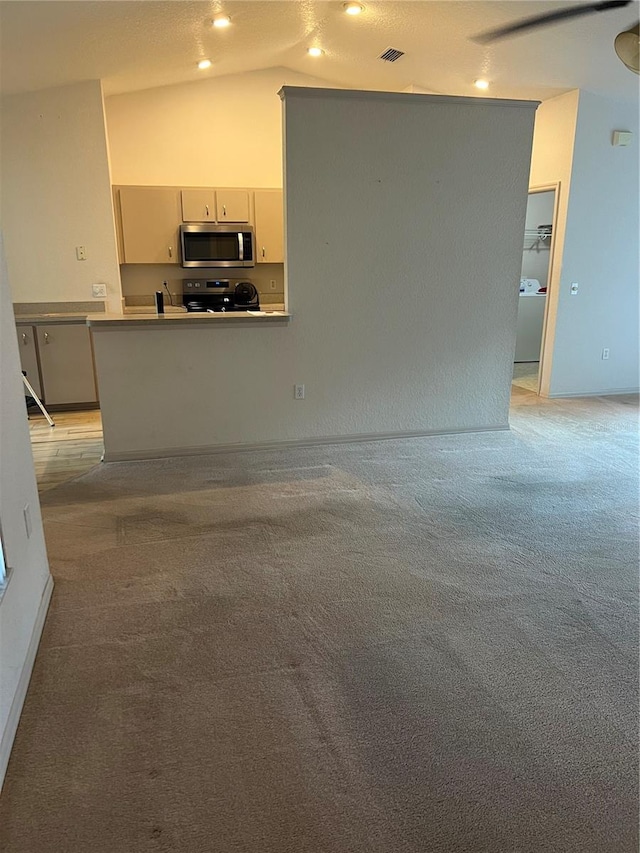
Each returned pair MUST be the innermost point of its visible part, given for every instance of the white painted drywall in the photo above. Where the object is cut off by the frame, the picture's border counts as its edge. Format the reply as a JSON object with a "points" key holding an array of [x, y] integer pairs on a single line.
{"points": [[224, 131], [601, 253], [22, 605], [56, 195], [404, 309]]}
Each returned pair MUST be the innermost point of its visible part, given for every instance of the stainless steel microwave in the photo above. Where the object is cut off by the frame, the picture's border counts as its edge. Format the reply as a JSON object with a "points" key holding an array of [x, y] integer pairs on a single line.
{"points": [[209, 245]]}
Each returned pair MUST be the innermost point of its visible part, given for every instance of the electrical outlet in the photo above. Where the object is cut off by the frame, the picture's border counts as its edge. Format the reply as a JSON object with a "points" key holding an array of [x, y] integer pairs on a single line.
{"points": [[605, 353], [99, 291], [298, 392], [27, 520], [81, 253], [272, 284], [574, 288]]}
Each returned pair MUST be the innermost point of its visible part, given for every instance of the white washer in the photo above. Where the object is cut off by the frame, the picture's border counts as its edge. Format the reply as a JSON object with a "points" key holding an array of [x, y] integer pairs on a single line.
{"points": [[531, 307]]}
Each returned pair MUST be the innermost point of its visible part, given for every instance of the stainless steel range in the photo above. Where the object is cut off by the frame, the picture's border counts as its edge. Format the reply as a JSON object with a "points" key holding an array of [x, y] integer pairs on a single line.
{"points": [[219, 295]]}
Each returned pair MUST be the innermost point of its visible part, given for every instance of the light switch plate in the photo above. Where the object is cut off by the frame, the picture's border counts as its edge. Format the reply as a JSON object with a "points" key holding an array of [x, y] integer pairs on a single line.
{"points": [[574, 288], [81, 253]]}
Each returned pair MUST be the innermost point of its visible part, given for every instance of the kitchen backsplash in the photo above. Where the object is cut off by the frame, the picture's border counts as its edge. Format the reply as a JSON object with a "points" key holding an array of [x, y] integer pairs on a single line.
{"points": [[140, 281], [83, 307]]}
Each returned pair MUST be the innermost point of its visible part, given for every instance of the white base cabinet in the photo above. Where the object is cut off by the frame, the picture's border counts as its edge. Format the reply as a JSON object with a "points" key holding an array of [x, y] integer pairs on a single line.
{"points": [[59, 357]]}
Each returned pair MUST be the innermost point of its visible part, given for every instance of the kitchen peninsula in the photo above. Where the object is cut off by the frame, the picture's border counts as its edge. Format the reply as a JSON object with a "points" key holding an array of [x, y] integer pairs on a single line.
{"points": [[388, 313]]}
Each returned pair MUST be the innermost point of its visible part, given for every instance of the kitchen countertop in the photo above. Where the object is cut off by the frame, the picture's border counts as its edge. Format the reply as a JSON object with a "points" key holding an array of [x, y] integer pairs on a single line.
{"points": [[58, 318], [178, 319]]}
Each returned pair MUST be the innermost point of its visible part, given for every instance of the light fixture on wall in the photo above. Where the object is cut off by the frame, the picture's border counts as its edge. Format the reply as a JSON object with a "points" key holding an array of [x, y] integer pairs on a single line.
{"points": [[204, 64], [315, 51], [353, 8], [221, 21], [481, 84]]}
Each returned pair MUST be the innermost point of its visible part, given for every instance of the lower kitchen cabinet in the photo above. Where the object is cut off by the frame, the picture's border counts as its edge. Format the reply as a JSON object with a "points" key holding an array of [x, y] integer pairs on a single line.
{"points": [[66, 364], [29, 356], [58, 361]]}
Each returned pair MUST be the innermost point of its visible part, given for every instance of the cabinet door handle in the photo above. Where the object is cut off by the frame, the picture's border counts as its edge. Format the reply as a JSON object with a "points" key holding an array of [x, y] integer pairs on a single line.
{"points": [[224, 209], [264, 252], [170, 252], [46, 337], [25, 339], [206, 207]]}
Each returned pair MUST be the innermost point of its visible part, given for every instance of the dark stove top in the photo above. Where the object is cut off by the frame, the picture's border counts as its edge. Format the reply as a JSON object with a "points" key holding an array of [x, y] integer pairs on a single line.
{"points": [[219, 296]]}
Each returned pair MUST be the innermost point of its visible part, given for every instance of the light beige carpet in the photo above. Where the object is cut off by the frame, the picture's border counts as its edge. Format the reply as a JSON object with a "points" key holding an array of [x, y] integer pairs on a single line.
{"points": [[414, 646]]}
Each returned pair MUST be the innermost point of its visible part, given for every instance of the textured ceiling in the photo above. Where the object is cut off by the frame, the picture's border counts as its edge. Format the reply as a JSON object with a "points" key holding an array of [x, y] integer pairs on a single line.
{"points": [[139, 44]]}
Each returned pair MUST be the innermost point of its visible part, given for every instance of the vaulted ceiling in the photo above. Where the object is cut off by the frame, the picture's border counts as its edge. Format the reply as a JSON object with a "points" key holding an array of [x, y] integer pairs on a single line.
{"points": [[140, 44]]}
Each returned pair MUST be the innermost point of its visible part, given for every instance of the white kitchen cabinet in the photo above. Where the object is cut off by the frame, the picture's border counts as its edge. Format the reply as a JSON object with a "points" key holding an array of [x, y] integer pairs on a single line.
{"points": [[198, 205], [29, 356], [66, 363], [232, 205], [269, 225], [150, 218]]}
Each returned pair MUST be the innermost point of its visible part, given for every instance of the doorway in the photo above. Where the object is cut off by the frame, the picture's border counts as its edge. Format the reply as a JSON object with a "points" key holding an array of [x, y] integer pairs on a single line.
{"points": [[534, 286]]}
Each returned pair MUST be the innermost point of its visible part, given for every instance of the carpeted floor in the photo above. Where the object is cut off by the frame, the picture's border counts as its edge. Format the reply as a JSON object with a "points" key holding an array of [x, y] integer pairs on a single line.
{"points": [[413, 646]]}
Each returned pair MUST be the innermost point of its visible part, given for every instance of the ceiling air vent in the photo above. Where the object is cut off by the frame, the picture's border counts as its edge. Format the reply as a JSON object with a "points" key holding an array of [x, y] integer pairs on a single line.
{"points": [[391, 54]]}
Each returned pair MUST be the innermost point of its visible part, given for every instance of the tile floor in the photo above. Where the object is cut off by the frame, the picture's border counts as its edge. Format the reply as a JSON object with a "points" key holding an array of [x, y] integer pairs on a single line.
{"points": [[70, 448], [525, 375]]}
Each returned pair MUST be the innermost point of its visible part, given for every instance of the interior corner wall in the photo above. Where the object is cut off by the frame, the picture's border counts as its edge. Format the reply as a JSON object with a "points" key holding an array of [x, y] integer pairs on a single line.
{"points": [[220, 131], [601, 253], [56, 195], [404, 252], [551, 163], [23, 605]]}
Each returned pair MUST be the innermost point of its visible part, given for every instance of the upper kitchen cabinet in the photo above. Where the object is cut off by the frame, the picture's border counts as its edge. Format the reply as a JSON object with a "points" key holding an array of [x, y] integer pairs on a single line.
{"points": [[269, 225], [232, 205], [150, 217], [198, 205]]}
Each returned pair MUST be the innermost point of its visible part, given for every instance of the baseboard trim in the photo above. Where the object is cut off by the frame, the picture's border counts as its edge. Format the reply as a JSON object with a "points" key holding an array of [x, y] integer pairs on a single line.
{"points": [[11, 728], [210, 449], [615, 392]]}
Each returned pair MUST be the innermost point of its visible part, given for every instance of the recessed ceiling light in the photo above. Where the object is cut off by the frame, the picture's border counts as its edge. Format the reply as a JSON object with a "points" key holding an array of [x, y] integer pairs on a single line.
{"points": [[204, 63], [315, 51], [221, 21], [481, 84], [353, 8]]}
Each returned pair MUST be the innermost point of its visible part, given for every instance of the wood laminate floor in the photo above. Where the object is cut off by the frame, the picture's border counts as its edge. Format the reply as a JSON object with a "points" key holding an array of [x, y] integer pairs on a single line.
{"points": [[70, 448]]}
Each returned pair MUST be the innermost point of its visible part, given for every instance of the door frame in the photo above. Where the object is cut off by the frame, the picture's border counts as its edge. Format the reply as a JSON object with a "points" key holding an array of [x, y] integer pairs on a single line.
{"points": [[546, 341]]}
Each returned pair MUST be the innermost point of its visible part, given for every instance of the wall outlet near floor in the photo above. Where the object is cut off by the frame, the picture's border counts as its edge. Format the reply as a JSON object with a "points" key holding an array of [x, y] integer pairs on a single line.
{"points": [[99, 291], [605, 353], [27, 520], [81, 253], [272, 284], [298, 392]]}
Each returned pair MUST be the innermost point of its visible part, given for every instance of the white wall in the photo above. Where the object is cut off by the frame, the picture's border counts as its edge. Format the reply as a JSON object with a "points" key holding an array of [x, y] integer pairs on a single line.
{"points": [[404, 313], [596, 244], [224, 131], [601, 253], [56, 195], [23, 606]]}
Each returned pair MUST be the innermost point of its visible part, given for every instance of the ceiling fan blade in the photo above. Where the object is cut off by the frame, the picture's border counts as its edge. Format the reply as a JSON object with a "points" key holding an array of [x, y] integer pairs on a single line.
{"points": [[550, 18]]}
